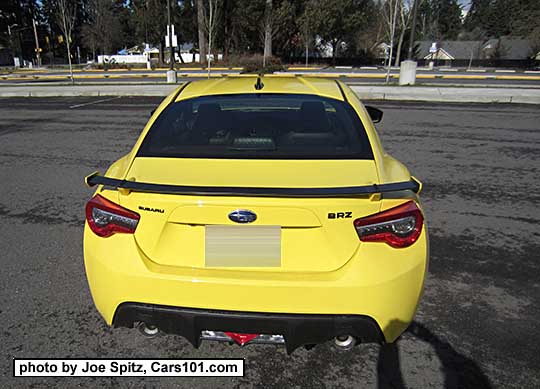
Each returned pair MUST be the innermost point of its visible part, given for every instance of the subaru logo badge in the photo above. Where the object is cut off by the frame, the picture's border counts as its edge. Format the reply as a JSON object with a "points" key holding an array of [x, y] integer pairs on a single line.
{"points": [[242, 216]]}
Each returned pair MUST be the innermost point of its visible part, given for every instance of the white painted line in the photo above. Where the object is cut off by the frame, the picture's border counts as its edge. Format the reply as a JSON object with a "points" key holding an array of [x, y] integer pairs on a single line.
{"points": [[532, 71], [448, 70], [94, 102], [505, 71], [369, 67], [476, 70], [343, 67]]}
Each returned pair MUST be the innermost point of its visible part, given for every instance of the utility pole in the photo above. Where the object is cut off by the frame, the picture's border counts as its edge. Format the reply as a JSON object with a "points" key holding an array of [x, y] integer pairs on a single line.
{"points": [[37, 43], [171, 73], [169, 33], [413, 27]]}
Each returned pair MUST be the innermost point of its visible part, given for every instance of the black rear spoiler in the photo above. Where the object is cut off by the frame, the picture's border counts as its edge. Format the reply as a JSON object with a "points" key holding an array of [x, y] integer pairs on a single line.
{"points": [[95, 179]]}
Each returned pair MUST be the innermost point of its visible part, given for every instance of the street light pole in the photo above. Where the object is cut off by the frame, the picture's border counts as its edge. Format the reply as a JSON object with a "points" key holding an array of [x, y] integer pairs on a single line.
{"points": [[169, 33], [171, 73], [10, 38], [37, 43]]}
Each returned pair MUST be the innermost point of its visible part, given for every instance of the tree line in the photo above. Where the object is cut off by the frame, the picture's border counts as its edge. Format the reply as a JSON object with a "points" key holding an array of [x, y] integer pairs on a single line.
{"points": [[287, 29]]}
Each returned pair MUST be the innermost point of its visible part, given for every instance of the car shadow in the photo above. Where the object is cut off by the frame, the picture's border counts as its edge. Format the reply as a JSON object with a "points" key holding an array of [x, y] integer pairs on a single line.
{"points": [[459, 371]]}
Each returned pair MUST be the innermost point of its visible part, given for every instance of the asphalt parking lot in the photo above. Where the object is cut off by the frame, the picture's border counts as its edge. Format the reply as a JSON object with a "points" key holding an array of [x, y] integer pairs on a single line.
{"points": [[477, 325]]}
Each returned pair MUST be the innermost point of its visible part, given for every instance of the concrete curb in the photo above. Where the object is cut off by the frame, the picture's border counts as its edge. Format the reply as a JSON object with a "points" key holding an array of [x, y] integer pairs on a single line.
{"points": [[449, 94], [390, 93], [87, 90]]}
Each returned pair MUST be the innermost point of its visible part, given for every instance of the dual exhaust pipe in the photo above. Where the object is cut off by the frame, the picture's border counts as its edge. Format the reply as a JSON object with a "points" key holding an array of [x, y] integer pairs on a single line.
{"points": [[342, 342], [345, 342]]}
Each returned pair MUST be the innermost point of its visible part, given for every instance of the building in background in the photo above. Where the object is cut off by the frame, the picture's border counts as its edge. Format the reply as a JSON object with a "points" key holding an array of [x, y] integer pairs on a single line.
{"points": [[456, 52]]}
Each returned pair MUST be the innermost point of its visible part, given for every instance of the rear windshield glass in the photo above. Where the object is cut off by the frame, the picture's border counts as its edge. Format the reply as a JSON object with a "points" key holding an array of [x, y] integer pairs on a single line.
{"points": [[258, 126]]}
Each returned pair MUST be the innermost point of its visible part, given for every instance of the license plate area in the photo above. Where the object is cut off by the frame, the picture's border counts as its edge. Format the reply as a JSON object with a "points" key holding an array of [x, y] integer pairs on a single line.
{"points": [[242, 246]]}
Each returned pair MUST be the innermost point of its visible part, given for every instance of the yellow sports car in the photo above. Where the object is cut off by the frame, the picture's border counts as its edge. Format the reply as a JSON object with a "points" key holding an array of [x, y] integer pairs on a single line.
{"points": [[258, 210]]}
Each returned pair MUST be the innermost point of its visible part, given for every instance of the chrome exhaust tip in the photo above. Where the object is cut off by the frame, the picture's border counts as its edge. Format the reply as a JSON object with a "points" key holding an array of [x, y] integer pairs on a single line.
{"points": [[148, 330], [345, 342]]}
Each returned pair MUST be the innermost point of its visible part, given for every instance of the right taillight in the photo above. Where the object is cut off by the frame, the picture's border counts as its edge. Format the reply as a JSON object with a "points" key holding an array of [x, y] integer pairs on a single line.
{"points": [[399, 226], [106, 218]]}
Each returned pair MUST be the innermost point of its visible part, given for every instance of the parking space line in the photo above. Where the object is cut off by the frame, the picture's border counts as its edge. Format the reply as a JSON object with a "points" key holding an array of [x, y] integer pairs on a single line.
{"points": [[95, 102]]}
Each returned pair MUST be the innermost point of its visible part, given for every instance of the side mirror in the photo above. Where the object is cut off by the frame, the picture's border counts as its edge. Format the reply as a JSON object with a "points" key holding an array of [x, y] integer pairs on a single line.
{"points": [[374, 113]]}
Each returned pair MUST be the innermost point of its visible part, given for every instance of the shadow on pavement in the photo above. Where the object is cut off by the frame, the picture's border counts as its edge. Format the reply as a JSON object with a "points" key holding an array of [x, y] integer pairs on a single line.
{"points": [[459, 371]]}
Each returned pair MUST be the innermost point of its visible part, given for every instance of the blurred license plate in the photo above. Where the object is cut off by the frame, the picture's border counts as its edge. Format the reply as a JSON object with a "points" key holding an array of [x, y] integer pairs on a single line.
{"points": [[243, 246]]}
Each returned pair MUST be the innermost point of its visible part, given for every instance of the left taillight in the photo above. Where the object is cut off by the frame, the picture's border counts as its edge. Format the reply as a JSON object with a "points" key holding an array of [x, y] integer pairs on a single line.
{"points": [[106, 218], [399, 226]]}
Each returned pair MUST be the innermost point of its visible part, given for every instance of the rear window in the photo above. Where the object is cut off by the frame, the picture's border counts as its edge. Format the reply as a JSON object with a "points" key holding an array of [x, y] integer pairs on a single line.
{"points": [[258, 126]]}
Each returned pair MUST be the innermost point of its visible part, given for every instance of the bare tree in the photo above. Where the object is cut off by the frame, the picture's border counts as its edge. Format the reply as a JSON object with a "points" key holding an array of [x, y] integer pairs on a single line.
{"points": [[389, 13], [103, 29], [306, 35], [211, 16], [404, 21], [201, 29], [267, 31], [65, 18]]}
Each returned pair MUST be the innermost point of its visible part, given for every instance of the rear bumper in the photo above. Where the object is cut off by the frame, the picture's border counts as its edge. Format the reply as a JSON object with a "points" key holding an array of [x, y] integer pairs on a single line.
{"points": [[380, 284], [297, 329]]}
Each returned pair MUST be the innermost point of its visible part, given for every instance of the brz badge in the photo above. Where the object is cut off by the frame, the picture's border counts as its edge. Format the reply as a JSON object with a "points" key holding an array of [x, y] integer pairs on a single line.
{"points": [[339, 215]]}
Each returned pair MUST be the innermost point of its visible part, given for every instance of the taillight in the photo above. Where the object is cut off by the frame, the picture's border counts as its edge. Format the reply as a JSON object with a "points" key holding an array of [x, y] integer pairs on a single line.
{"points": [[106, 218], [399, 226]]}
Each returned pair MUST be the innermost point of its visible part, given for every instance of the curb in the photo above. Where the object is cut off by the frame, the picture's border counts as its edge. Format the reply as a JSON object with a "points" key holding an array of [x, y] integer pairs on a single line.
{"points": [[216, 73], [368, 92], [449, 94]]}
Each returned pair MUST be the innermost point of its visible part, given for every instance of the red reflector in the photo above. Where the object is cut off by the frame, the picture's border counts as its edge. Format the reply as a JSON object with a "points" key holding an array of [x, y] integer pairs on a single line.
{"points": [[241, 339], [399, 226]]}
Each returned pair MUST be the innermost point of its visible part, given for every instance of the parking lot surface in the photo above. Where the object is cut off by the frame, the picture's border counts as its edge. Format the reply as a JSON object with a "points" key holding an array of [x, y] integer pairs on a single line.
{"points": [[477, 325]]}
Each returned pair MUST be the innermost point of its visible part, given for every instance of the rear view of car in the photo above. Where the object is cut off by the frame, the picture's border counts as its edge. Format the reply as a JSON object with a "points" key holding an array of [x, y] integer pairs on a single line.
{"points": [[258, 210]]}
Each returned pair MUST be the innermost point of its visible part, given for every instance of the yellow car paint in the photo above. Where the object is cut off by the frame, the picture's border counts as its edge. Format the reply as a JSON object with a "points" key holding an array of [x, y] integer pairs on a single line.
{"points": [[324, 271]]}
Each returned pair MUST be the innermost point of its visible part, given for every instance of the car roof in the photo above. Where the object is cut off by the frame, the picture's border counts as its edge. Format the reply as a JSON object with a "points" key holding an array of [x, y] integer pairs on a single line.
{"points": [[239, 84]]}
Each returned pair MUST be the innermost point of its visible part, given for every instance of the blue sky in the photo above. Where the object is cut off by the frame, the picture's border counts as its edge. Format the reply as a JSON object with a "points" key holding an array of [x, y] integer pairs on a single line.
{"points": [[465, 4]]}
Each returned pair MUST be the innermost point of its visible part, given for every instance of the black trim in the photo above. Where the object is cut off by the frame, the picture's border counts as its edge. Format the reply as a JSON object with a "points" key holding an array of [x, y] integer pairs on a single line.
{"points": [[348, 191], [297, 329], [179, 91], [342, 92]]}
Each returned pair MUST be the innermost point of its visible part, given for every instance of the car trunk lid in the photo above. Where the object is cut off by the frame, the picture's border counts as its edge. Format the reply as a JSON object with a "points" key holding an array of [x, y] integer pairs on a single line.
{"points": [[289, 234]]}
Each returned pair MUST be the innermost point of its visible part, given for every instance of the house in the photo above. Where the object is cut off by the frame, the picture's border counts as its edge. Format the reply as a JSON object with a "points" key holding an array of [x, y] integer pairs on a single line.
{"points": [[133, 55], [502, 49], [506, 48]]}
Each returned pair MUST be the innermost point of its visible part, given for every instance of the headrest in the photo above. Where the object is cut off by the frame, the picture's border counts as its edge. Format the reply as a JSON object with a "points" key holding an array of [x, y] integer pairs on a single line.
{"points": [[209, 109], [313, 116]]}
